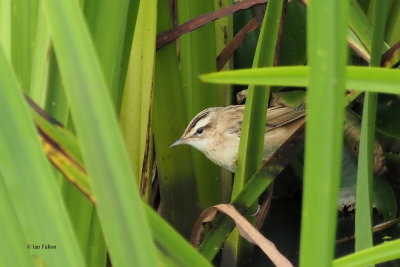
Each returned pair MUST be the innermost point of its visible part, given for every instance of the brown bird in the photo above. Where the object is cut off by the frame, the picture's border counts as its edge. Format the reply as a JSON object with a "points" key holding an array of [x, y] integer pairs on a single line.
{"points": [[216, 132]]}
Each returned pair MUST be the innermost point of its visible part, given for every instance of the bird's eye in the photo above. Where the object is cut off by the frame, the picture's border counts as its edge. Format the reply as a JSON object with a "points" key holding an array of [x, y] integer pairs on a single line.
{"points": [[200, 130]]}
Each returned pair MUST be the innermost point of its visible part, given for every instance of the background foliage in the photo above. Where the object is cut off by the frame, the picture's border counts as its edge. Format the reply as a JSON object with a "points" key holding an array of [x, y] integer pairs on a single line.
{"points": [[90, 85]]}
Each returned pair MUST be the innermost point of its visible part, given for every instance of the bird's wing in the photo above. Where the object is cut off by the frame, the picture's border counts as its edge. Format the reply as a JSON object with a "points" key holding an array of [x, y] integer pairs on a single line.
{"points": [[279, 116]]}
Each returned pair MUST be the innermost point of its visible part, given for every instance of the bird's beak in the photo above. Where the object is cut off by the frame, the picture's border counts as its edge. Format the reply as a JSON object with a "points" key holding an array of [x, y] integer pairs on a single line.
{"points": [[178, 142]]}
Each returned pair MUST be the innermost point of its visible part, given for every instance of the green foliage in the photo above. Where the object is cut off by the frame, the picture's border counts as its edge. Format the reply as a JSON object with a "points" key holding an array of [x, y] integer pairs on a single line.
{"points": [[134, 118], [324, 132], [175, 168], [12, 234], [31, 188], [251, 147], [101, 143], [197, 54], [367, 139], [87, 63]]}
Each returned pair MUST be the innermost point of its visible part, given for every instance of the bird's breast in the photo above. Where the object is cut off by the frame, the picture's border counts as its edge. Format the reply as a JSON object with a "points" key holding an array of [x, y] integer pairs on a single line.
{"points": [[224, 154]]}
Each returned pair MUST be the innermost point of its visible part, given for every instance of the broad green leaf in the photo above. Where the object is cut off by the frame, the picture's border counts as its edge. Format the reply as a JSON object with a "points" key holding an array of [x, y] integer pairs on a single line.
{"points": [[41, 62], [327, 57], [368, 79], [14, 249], [197, 55], [59, 141], [32, 187], [135, 109], [127, 45], [23, 30], [126, 230], [174, 165], [107, 21]]}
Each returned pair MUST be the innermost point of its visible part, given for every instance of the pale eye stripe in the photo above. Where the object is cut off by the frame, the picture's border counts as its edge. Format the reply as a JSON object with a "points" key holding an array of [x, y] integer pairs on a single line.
{"points": [[193, 123]]}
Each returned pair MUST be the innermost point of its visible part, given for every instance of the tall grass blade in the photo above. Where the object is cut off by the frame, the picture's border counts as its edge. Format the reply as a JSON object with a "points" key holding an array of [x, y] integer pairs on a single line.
{"points": [[197, 53], [107, 21], [369, 79], [41, 61], [363, 222], [108, 44], [32, 188], [12, 235], [126, 230], [175, 171], [251, 147], [327, 57], [126, 51], [253, 127], [23, 33], [5, 27], [135, 108]]}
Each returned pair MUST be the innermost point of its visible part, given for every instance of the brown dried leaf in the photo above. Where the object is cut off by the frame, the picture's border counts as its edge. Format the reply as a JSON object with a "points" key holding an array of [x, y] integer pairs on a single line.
{"points": [[246, 230]]}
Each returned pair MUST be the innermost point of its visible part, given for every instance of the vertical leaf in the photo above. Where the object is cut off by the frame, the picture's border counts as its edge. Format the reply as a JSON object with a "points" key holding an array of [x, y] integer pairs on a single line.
{"points": [[32, 188], [41, 61], [363, 224], [360, 24], [135, 108], [327, 57], [198, 56], [174, 165], [23, 29], [107, 21], [126, 230], [61, 141], [12, 249], [5, 27], [126, 51], [251, 147]]}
